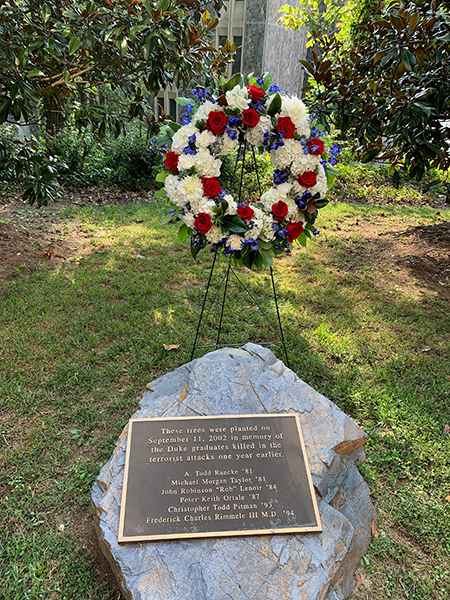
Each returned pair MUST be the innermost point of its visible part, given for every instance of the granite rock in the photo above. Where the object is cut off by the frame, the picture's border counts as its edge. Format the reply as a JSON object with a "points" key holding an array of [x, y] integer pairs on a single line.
{"points": [[248, 380]]}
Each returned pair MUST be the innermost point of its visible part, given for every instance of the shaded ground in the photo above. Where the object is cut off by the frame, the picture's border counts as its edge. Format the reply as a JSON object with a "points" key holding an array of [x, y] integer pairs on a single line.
{"points": [[30, 236], [418, 258]]}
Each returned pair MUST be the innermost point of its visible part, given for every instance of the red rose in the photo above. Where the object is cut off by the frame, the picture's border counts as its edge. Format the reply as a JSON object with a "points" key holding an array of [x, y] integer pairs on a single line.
{"points": [[217, 122], [171, 161], [245, 212], [308, 179], [316, 146], [280, 210], [294, 230], [250, 117], [255, 92], [203, 222], [211, 187], [286, 125]]}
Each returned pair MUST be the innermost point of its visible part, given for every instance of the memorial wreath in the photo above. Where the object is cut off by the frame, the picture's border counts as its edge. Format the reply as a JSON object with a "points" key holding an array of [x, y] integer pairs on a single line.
{"points": [[240, 115]]}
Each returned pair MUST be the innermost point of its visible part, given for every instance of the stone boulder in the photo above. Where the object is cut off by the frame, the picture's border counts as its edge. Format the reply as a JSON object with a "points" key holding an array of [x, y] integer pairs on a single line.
{"points": [[311, 566]]}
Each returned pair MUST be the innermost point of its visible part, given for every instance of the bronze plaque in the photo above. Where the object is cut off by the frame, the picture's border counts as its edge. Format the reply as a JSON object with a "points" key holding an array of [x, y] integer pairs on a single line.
{"points": [[189, 477]]}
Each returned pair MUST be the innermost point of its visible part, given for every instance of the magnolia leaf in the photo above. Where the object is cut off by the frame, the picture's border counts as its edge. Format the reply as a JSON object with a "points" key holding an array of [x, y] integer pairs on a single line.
{"points": [[160, 193], [183, 232], [374, 529], [275, 105], [370, 155], [74, 44], [162, 176]]}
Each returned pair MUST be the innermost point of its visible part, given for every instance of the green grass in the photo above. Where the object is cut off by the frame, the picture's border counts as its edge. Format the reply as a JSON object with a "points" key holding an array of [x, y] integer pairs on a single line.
{"points": [[79, 342]]}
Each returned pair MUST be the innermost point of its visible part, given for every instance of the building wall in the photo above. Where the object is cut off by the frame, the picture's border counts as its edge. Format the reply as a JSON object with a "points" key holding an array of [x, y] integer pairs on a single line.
{"points": [[282, 51]]}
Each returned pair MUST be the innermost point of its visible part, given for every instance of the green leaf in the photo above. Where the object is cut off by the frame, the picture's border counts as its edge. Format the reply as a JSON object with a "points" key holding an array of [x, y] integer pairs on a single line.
{"points": [[370, 155], [234, 81], [183, 101], [183, 232], [162, 176], [160, 193], [301, 240], [46, 12], [331, 173], [275, 105], [267, 81], [74, 44], [35, 73], [167, 219], [122, 46]]}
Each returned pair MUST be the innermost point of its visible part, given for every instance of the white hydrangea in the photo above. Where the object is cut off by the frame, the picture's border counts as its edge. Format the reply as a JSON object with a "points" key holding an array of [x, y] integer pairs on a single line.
{"points": [[321, 186], [284, 188], [256, 135], [185, 162], [214, 235], [228, 145], [190, 189], [281, 159], [294, 147], [238, 97], [232, 205], [294, 215], [204, 110], [235, 241], [189, 219], [271, 197], [303, 163], [293, 107], [207, 165], [180, 139], [267, 231], [206, 205], [204, 139], [171, 187]]}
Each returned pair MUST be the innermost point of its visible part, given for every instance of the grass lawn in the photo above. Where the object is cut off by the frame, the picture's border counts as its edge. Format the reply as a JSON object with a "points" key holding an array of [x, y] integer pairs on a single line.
{"points": [[367, 323]]}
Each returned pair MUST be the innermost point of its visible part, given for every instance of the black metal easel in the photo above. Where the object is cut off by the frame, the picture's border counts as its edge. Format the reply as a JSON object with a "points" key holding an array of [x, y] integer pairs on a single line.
{"points": [[225, 280]]}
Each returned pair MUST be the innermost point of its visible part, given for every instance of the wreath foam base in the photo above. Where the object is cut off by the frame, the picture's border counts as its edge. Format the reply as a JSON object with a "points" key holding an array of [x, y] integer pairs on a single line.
{"points": [[219, 122]]}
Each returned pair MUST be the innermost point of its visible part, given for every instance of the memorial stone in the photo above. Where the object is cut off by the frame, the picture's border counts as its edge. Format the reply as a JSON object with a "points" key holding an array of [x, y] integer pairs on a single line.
{"points": [[288, 566]]}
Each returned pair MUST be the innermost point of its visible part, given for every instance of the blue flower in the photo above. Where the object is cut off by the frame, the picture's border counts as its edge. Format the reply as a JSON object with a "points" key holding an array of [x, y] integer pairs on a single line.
{"points": [[202, 95], [323, 163], [234, 121], [305, 150], [316, 232], [186, 118], [260, 80], [280, 176], [335, 149], [274, 88], [333, 161], [232, 133]]}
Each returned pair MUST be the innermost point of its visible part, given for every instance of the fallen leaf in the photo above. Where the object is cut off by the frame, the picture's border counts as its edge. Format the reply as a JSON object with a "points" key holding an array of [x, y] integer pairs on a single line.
{"points": [[358, 578], [183, 393], [448, 499], [149, 387], [446, 429], [171, 346], [427, 349], [51, 252], [349, 446], [375, 530]]}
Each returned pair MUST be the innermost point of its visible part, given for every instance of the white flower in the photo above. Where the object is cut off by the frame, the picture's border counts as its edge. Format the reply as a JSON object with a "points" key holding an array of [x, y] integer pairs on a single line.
{"points": [[284, 188], [293, 107], [228, 145], [188, 219], [238, 98], [303, 163], [321, 186], [271, 197], [180, 139], [171, 187], [280, 158], [207, 165], [185, 162], [232, 206], [214, 235], [203, 111], [255, 135], [204, 139], [206, 205], [235, 241], [267, 231], [190, 189]]}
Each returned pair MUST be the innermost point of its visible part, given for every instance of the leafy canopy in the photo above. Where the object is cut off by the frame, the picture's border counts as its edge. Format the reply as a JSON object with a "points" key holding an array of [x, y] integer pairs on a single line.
{"points": [[386, 85]]}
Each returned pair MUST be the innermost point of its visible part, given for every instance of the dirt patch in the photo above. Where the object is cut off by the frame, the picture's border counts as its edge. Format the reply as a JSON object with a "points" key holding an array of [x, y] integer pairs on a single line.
{"points": [[30, 236]]}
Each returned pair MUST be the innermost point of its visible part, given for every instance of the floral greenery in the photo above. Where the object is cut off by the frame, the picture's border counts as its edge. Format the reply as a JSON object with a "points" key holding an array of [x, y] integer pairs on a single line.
{"points": [[256, 115]]}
